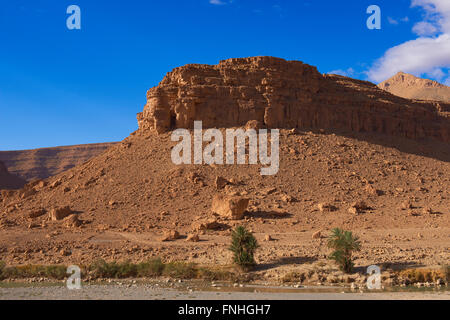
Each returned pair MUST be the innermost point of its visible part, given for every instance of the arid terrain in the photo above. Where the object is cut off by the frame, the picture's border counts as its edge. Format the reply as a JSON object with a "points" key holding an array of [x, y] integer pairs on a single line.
{"points": [[351, 156]]}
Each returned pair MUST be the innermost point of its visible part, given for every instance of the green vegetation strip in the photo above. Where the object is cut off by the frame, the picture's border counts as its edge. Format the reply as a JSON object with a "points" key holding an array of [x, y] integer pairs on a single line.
{"points": [[121, 270]]}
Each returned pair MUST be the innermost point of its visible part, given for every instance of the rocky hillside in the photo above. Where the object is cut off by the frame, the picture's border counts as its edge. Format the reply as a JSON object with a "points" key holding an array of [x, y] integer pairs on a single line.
{"points": [[284, 94], [350, 163], [408, 86], [46, 162], [8, 180]]}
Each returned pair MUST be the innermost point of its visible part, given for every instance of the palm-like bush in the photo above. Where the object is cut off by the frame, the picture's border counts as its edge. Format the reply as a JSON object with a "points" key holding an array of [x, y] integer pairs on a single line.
{"points": [[243, 246], [343, 243]]}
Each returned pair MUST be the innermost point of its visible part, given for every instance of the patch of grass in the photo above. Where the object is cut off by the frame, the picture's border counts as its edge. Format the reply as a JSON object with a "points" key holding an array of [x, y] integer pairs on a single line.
{"points": [[215, 275], [2, 267], [293, 277], [446, 272], [151, 268], [344, 243], [120, 270], [114, 270], [57, 272], [180, 270], [422, 275]]}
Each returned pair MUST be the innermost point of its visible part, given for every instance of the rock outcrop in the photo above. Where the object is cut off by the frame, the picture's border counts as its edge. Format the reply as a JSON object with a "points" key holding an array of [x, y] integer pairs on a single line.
{"points": [[283, 94]]}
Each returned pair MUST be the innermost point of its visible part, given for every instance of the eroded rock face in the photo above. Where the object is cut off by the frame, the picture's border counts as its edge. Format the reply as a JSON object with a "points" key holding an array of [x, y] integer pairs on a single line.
{"points": [[283, 94]]}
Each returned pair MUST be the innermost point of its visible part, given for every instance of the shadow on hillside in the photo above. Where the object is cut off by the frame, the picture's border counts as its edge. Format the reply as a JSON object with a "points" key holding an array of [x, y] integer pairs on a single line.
{"points": [[426, 147], [284, 261], [391, 266], [269, 214]]}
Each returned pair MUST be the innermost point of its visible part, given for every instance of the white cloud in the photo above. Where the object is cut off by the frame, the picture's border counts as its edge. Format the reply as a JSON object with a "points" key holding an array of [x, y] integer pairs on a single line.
{"points": [[424, 28], [346, 73], [392, 21], [424, 55]]}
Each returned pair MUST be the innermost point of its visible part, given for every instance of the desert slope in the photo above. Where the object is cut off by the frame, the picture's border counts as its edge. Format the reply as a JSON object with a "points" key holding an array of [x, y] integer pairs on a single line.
{"points": [[411, 87], [46, 162]]}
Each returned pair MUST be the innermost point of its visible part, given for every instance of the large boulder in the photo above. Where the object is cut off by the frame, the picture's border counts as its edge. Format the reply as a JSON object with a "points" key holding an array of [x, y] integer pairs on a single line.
{"points": [[232, 207], [60, 213]]}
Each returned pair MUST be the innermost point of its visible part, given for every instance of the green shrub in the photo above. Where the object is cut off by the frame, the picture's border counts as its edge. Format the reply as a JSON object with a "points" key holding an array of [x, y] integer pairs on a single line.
{"points": [[343, 243], [243, 246]]}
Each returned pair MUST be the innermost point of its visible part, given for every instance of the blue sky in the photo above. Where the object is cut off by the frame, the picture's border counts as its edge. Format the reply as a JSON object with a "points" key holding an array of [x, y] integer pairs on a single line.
{"points": [[63, 87]]}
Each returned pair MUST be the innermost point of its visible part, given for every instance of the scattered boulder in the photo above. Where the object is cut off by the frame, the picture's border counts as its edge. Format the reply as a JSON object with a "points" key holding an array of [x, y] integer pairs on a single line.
{"points": [[287, 198], [55, 184], [26, 193], [371, 190], [405, 205], [358, 207], [210, 224], [268, 191], [171, 235], [232, 207], [254, 124], [193, 238], [221, 182], [60, 213], [268, 237], [72, 221], [326, 207], [317, 235]]}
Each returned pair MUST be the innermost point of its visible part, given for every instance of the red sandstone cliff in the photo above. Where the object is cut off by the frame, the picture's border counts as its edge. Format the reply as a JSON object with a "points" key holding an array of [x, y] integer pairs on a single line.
{"points": [[283, 94]]}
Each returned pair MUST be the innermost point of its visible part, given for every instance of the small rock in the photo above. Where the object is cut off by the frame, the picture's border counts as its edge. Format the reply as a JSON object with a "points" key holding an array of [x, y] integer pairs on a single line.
{"points": [[317, 235], [326, 207], [193, 238], [221, 182]]}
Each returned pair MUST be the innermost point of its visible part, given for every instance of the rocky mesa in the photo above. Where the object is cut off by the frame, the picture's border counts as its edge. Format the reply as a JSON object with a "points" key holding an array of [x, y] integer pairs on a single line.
{"points": [[284, 94]]}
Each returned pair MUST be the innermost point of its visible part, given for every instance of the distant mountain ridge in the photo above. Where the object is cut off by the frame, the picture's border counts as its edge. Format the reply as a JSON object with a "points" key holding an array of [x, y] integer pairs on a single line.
{"points": [[45, 162], [411, 87], [8, 180]]}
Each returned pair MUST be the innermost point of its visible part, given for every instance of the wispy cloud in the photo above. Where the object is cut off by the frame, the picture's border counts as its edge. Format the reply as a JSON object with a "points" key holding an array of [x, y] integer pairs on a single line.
{"points": [[429, 54], [218, 2], [397, 21], [350, 72]]}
